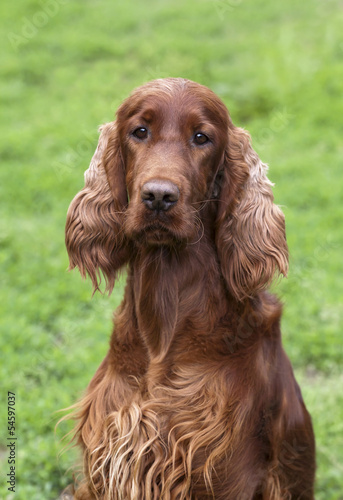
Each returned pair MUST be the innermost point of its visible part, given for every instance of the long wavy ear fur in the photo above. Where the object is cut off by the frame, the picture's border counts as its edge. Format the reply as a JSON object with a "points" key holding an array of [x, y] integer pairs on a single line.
{"points": [[94, 237], [250, 234]]}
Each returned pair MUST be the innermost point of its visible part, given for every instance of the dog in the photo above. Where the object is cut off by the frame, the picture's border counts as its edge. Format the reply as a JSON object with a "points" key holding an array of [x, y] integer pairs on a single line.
{"points": [[196, 398]]}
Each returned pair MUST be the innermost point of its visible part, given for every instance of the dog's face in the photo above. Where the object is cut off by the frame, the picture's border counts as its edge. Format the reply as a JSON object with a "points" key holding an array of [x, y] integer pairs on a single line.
{"points": [[173, 151], [172, 144]]}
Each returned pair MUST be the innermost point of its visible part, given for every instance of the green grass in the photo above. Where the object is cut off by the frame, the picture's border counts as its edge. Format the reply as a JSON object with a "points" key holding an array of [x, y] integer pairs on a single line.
{"points": [[65, 67]]}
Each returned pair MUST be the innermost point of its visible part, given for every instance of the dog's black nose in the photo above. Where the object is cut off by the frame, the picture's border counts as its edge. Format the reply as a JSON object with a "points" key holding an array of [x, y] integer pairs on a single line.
{"points": [[160, 195]]}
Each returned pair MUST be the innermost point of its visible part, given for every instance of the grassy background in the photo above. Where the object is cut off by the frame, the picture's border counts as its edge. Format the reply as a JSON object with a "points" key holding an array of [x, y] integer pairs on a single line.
{"points": [[65, 67]]}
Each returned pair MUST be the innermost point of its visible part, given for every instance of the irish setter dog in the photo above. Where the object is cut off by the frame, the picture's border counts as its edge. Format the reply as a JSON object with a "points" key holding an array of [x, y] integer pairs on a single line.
{"points": [[196, 398]]}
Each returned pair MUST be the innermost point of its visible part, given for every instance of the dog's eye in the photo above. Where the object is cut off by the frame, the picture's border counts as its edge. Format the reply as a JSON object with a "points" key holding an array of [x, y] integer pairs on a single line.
{"points": [[200, 138], [140, 133]]}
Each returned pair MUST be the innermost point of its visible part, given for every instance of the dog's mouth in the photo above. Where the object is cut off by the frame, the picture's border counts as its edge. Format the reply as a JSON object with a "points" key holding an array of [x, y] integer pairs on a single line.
{"points": [[158, 234], [157, 229]]}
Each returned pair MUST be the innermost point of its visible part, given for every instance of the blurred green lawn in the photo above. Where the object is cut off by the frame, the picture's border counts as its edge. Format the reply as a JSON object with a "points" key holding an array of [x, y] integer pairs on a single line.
{"points": [[65, 67]]}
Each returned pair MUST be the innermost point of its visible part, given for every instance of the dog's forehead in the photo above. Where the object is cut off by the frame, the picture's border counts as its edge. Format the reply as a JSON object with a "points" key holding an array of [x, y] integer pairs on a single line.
{"points": [[191, 104]]}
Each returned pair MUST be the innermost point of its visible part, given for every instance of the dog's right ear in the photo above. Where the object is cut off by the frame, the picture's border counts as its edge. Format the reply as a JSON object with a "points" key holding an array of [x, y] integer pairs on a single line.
{"points": [[94, 234], [250, 235]]}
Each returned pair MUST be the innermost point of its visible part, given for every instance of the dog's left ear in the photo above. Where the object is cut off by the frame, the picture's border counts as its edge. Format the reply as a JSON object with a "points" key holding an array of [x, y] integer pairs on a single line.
{"points": [[250, 233], [94, 228]]}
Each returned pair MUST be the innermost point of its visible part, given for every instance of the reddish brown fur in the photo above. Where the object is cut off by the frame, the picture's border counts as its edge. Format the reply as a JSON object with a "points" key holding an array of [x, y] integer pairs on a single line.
{"points": [[196, 398]]}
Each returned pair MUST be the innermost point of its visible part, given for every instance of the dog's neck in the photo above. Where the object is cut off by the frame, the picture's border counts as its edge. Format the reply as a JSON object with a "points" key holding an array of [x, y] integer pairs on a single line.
{"points": [[173, 287]]}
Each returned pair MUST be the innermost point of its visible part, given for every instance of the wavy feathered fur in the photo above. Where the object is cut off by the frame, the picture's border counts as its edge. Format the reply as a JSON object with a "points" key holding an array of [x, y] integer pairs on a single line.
{"points": [[95, 247], [251, 231], [196, 398]]}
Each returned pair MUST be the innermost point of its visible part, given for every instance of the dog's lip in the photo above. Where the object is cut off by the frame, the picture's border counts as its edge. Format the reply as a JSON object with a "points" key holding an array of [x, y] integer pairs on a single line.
{"points": [[156, 226], [157, 233]]}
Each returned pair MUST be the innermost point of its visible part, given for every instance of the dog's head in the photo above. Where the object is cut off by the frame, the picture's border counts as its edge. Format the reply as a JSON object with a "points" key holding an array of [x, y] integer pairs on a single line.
{"points": [[172, 151]]}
